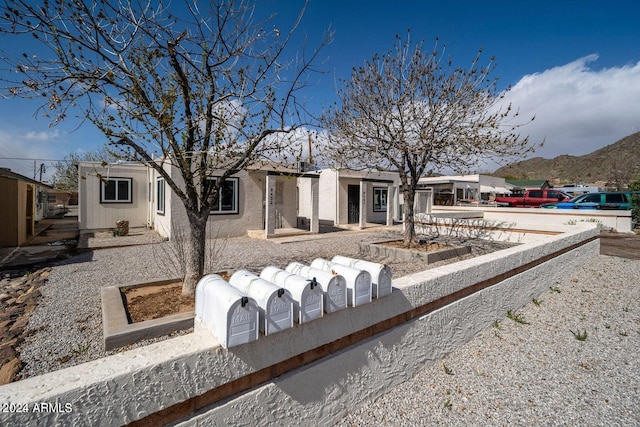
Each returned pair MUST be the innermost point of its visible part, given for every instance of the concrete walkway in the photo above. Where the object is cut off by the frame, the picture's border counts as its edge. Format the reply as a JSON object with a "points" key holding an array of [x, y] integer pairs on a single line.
{"points": [[53, 239]]}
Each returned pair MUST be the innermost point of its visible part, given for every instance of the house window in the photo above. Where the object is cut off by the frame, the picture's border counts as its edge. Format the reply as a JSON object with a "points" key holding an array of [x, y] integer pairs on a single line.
{"points": [[379, 199], [116, 190], [160, 196], [228, 201]]}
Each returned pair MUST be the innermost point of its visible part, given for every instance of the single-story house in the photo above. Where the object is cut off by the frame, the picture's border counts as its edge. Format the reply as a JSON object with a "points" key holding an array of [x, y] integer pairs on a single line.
{"points": [[532, 184], [58, 201], [264, 198], [357, 197], [461, 189], [23, 202]]}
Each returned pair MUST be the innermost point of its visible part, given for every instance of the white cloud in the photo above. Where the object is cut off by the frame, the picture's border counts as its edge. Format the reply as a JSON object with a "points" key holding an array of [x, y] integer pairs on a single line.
{"points": [[578, 109], [24, 151], [43, 136]]}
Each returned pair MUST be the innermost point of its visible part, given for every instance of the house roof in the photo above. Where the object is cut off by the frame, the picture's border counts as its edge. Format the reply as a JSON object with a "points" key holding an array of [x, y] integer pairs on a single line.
{"points": [[532, 183], [8, 173]]}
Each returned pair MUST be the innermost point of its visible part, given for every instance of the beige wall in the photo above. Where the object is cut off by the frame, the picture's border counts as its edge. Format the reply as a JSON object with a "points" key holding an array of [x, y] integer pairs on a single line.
{"points": [[16, 224], [8, 212], [249, 217]]}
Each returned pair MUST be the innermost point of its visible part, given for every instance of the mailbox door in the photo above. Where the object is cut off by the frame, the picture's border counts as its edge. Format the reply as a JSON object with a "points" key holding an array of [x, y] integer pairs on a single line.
{"points": [[336, 295], [278, 314], [311, 307], [242, 324], [362, 289]]}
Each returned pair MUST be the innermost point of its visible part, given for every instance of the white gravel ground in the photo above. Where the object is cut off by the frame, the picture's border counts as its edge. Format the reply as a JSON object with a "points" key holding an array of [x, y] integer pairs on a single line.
{"points": [[538, 373], [533, 373], [66, 327]]}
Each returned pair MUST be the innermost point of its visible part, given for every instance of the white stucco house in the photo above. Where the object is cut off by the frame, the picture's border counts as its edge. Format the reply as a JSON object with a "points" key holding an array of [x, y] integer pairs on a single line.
{"points": [[262, 199], [355, 197]]}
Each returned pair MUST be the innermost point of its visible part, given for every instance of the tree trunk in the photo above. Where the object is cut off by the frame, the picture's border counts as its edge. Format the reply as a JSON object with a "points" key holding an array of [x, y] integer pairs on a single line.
{"points": [[409, 224], [195, 252]]}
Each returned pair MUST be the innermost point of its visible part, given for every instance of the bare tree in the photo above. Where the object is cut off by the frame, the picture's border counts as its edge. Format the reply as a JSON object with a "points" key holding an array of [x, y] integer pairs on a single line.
{"points": [[621, 172], [209, 89], [65, 176], [411, 109]]}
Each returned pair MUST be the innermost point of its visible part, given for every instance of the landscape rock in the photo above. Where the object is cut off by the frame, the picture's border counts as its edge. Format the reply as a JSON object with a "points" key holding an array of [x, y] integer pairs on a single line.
{"points": [[9, 371], [18, 299]]}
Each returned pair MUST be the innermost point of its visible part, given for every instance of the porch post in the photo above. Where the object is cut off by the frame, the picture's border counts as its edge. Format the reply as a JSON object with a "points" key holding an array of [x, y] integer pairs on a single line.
{"points": [[270, 206], [363, 204], [390, 203], [315, 205]]}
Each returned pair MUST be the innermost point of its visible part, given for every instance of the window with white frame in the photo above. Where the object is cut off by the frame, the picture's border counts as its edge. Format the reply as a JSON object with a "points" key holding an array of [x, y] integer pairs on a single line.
{"points": [[116, 190], [228, 201], [160, 196], [379, 199]]}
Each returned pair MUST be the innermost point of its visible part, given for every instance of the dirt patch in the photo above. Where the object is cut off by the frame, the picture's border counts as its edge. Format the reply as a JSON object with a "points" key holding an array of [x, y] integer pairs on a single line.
{"points": [[156, 301], [623, 245], [420, 246]]}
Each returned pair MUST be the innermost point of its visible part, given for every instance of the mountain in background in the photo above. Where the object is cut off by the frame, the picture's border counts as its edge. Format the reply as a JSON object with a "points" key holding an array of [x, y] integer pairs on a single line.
{"points": [[617, 163]]}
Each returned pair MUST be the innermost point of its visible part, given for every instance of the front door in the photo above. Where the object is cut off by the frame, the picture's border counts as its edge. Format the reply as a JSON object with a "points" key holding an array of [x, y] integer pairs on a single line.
{"points": [[353, 204]]}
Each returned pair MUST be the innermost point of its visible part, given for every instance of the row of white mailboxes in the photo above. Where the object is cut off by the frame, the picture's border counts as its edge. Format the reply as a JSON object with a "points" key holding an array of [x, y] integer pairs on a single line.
{"points": [[235, 311]]}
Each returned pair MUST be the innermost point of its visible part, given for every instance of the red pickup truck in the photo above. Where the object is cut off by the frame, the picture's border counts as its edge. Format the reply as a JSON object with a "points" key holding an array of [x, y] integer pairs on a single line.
{"points": [[533, 198]]}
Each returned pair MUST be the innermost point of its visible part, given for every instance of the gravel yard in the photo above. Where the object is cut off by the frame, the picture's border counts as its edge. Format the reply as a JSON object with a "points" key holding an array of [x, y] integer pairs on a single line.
{"points": [[66, 327], [537, 373], [569, 359]]}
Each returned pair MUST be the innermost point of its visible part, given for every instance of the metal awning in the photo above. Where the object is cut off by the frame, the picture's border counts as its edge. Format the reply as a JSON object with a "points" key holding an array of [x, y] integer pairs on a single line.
{"points": [[497, 190]]}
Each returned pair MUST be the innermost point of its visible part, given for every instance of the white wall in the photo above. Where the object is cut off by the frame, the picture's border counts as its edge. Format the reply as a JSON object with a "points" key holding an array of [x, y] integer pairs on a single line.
{"points": [[128, 386], [617, 220], [94, 215], [328, 188]]}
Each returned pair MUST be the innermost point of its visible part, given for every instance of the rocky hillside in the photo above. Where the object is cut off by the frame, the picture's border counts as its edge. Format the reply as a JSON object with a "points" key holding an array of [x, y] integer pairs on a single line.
{"points": [[616, 162]]}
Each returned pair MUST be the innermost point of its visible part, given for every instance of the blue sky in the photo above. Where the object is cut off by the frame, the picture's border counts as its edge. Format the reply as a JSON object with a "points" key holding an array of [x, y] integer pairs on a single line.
{"points": [[575, 65]]}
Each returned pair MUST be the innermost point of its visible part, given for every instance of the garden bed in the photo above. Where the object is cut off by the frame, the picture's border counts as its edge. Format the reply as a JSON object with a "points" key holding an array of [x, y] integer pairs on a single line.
{"points": [[428, 251]]}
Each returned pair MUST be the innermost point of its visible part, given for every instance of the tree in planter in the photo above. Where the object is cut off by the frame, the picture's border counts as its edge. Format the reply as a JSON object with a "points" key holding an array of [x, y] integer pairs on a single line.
{"points": [[411, 109], [206, 87]]}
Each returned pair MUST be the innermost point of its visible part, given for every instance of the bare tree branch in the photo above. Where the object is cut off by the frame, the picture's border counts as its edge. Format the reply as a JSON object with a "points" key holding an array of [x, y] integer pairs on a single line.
{"points": [[411, 109]]}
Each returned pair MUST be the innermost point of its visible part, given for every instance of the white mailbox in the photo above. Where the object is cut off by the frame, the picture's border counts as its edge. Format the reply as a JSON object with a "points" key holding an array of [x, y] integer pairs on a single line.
{"points": [[334, 286], [307, 293], [230, 316], [275, 304], [380, 274], [358, 281]]}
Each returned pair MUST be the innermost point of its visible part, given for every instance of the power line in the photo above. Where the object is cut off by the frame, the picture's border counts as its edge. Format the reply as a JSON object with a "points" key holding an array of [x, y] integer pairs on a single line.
{"points": [[32, 159]]}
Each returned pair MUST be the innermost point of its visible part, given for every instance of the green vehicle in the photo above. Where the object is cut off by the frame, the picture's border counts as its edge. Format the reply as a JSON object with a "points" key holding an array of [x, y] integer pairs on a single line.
{"points": [[603, 200]]}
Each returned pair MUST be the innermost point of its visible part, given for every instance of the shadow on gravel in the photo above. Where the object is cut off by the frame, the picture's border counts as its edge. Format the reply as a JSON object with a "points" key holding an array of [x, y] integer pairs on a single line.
{"points": [[623, 245]]}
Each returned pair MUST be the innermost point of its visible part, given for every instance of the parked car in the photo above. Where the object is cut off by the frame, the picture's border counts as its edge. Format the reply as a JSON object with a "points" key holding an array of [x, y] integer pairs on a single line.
{"points": [[533, 198], [603, 200]]}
